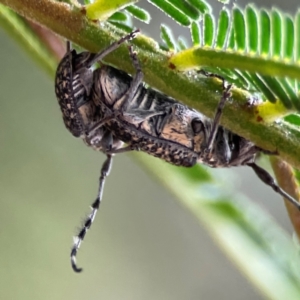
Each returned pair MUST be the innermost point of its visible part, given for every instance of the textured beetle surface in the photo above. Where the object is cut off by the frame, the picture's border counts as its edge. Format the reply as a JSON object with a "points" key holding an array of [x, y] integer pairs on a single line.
{"points": [[106, 108], [163, 127], [152, 122]]}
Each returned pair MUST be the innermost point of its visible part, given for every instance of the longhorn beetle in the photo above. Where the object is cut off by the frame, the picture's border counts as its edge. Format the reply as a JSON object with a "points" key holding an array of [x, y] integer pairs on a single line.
{"points": [[106, 107]]}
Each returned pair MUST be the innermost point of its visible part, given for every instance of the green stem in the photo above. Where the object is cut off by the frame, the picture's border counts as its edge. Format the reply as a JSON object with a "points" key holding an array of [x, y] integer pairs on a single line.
{"points": [[201, 93], [253, 63]]}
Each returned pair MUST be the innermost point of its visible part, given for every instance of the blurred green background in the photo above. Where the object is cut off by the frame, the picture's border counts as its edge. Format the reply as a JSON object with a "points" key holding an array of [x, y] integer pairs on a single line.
{"points": [[143, 245]]}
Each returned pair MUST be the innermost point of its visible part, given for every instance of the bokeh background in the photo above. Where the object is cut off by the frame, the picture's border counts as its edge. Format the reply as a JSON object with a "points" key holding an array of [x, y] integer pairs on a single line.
{"points": [[143, 244]]}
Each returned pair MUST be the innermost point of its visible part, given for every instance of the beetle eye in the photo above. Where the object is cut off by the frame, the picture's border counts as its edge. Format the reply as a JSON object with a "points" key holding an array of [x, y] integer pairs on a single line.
{"points": [[197, 126]]}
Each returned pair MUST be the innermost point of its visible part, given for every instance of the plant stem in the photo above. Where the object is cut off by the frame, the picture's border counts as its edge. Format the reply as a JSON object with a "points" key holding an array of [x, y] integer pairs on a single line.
{"points": [[198, 92]]}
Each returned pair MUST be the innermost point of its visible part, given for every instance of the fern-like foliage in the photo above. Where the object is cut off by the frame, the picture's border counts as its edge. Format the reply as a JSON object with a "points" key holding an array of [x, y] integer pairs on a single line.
{"points": [[256, 49]]}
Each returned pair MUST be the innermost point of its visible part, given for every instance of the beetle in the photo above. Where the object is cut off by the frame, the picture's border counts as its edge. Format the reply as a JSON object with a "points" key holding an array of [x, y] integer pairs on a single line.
{"points": [[106, 107]]}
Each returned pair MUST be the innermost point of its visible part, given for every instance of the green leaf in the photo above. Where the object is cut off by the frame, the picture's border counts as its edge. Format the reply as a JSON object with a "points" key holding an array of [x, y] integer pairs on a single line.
{"points": [[196, 34], [171, 11], [292, 95], [276, 36], [209, 29], [265, 33], [118, 17], [223, 28], [293, 119], [182, 44], [167, 36], [252, 29], [289, 35], [231, 40], [263, 87], [202, 6], [276, 87], [139, 13], [121, 26], [186, 8], [297, 36], [239, 29]]}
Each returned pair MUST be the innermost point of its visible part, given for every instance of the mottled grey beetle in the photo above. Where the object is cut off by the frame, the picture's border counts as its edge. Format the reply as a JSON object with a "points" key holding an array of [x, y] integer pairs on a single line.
{"points": [[107, 107]]}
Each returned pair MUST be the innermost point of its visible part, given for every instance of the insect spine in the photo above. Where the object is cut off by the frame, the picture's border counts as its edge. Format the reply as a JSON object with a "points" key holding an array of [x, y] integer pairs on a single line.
{"points": [[106, 108]]}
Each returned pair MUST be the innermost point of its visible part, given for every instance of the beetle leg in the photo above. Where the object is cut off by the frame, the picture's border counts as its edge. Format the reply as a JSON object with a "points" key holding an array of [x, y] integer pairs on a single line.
{"points": [[106, 167]]}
